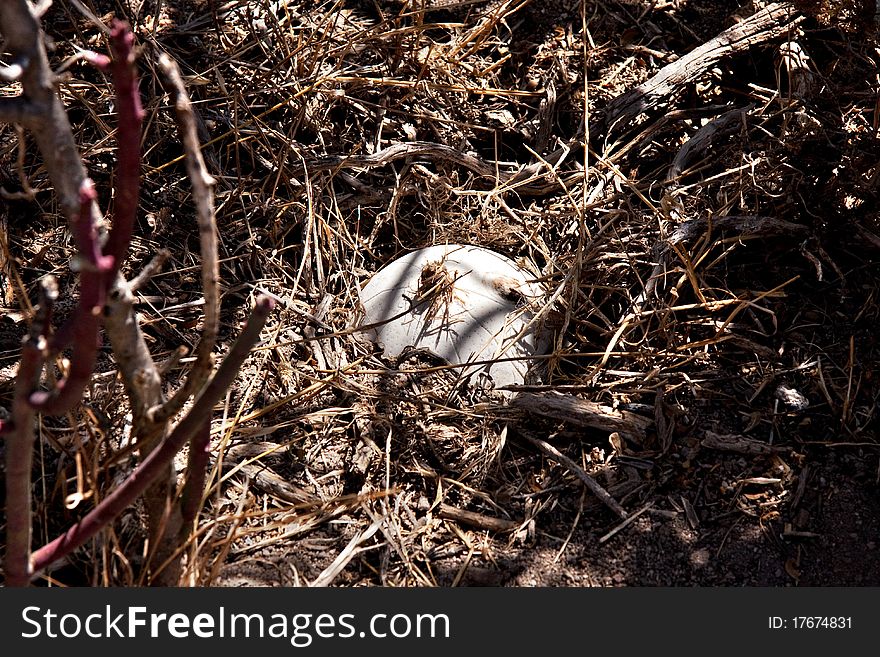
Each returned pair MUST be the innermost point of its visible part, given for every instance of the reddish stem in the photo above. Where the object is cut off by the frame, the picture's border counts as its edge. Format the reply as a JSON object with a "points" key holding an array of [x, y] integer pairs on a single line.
{"points": [[197, 467], [19, 436], [86, 318], [19, 460], [128, 143]]}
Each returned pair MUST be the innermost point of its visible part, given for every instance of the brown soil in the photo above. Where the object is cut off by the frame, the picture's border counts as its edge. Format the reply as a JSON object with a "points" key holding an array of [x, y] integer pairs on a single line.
{"points": [[762, 335]]}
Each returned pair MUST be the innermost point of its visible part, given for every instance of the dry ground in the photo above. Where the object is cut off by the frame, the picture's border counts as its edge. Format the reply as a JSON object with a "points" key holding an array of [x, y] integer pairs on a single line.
{"points": [[731, 301]]}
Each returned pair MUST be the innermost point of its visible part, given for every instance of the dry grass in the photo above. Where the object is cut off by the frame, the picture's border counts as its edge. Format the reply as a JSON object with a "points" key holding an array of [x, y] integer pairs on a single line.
{"points": [[689, 298]]}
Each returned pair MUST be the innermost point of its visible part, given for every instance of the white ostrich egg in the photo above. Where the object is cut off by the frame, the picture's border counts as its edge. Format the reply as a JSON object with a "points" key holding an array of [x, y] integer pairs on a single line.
{"points": [[468, 305]]}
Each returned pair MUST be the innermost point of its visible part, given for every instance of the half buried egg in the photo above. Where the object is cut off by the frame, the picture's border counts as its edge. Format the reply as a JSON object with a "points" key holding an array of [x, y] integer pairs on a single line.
{"points": [[472, 307]]}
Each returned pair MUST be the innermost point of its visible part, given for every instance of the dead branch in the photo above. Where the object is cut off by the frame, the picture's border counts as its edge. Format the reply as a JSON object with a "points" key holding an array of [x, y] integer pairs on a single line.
{"points": [[414, 149], [738, 444], [478, 520], [244, 458], [746, 226], [203, 194], [697, 145], [584, 413], [773, 21]]}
